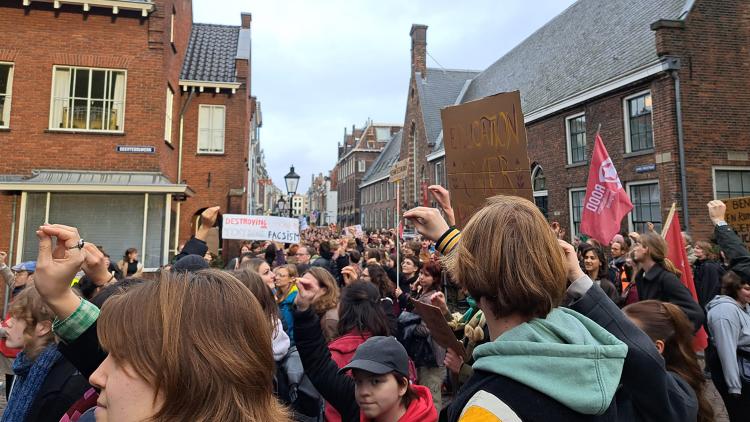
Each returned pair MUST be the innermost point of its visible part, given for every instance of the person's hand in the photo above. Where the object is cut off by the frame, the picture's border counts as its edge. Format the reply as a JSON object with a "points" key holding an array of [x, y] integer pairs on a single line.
{"points": [[305, 296], [571, 261], [428, 221], [650, 227], [399, 292], [438, 299], [350, 274], [717, 211], [557, 230], [208, 220], [56, 267], [453, 361], [634, 236], [3, 257], [95, 265], [443, 198]]}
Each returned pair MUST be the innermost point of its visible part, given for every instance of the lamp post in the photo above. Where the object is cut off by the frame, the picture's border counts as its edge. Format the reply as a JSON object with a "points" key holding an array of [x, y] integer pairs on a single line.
{"points": [[292, 180]]}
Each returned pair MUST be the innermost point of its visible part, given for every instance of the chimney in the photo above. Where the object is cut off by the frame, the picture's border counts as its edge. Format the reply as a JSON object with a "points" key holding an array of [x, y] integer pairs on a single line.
{"points": [[418, 35], [247, 18]]}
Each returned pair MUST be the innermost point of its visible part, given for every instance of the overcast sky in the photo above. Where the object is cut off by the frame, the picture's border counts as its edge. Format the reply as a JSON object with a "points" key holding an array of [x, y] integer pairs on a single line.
{"points": [[321, 66]]}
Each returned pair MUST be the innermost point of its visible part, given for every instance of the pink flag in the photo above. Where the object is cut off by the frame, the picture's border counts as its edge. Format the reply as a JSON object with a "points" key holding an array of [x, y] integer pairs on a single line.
{"points": [[606, 201]]}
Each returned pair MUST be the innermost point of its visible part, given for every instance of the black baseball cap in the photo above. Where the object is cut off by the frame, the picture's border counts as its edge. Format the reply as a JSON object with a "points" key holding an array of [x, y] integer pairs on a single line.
{"points": [[380, 355]]}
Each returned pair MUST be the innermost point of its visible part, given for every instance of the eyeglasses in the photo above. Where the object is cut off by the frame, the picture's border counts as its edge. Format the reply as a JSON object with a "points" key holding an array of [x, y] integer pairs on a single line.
{"points": [[300, 254]]}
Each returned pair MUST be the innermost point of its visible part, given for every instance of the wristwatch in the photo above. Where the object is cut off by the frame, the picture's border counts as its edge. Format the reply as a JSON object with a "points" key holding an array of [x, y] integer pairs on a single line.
{"points": [[721, 223]]}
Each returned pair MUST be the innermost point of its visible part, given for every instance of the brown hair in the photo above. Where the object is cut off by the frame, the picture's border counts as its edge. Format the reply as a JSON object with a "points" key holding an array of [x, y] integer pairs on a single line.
{"points": [[330, 298], [708, 249], [731, 283], [434, 270], [379, 278], [410, 394], [258, 288], [668, 323], [253, 264], [29, 307], [509, 256], [657, 248], [175, 319]]}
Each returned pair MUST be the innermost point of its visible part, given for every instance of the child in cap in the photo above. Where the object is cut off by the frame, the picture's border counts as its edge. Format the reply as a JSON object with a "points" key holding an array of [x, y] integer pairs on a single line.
{"points": [[380, 368]]}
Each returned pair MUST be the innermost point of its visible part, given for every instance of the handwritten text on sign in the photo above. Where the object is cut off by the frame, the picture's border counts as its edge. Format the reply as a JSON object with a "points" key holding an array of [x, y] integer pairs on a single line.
{"points": [[485, 152], [738, 216], [260, 227]]}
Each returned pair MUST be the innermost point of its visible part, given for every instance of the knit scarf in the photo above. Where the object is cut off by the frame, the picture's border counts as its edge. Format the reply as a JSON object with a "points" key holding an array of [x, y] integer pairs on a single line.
{"points": [[30, 376]]}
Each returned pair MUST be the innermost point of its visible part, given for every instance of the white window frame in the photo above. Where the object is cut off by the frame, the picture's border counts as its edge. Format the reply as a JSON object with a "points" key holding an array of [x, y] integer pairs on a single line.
{"points": [[626, 119], [52, 100], [439, 173], [568, 141], [573, 233], [628, 187], [171, 27], [224, 135], [533, 176], [724, 168], [168, 115], [361, 166], [8, 95]]}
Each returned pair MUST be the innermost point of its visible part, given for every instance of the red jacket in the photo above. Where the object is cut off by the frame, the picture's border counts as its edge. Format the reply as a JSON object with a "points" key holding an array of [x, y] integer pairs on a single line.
{"points": [[422, 409], [342, 351]]}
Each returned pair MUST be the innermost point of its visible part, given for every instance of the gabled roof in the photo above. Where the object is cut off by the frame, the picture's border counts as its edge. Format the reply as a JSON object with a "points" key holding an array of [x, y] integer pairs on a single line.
{"points": [[212, 51], [381, 167], [591, 42], [437, 89]]}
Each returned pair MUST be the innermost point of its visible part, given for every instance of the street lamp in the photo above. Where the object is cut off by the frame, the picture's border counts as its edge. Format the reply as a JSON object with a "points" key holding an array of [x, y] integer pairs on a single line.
{"points": [[291, 180]]}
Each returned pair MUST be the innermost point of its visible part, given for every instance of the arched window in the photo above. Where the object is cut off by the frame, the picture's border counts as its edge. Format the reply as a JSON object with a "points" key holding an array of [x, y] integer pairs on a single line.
{"points": [[539, 185]]}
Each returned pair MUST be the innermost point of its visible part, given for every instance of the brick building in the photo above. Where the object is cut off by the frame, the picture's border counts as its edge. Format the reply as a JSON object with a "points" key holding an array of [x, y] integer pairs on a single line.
{"points": [[668, 83], [359, 150], [377, 194], [124, 119], [430, 89]]}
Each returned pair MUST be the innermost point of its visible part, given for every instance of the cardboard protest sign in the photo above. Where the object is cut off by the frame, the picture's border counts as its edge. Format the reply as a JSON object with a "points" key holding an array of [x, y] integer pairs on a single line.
{"points": [[438, 326], [399, 171], [485, 152], [260, 227], [738, 216]]}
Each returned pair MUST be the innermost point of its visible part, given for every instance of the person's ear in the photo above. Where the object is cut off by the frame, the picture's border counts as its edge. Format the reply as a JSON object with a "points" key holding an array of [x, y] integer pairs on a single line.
{"points": [[403, 385], [43, 328], [660, 346]]}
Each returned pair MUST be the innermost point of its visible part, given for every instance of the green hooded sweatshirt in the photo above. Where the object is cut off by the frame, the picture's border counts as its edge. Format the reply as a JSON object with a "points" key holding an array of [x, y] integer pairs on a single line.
{"points": [[565, 356]]}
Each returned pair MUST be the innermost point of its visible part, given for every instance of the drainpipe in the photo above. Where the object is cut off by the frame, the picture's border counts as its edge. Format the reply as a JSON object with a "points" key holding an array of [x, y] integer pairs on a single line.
{"points": [[179, 168], [675, 65]]}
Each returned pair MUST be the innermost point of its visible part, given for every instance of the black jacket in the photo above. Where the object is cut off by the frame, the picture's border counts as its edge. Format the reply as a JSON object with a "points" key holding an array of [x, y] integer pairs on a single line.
{"points": [[663, 285], [84, 353], [707, 276], [735, 251], [192, 247], [648, 392], [337, 389], [63, 386]]}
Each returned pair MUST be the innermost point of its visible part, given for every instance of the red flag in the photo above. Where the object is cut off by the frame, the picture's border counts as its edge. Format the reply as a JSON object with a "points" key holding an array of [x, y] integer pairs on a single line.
{"points": [[606, 202], [676, 253]]}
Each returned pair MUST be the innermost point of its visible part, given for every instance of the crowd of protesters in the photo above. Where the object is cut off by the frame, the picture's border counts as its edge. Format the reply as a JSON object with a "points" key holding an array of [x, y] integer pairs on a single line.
{"points": [[328, 329]]}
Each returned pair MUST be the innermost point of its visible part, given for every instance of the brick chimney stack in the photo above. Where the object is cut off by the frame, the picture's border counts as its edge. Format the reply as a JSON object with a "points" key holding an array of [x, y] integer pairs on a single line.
{"points": [[247, 18], [418, 35]]}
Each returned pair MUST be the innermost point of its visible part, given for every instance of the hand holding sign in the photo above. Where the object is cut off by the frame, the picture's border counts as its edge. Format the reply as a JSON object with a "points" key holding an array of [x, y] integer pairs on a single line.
{"points": [[443, 198]]}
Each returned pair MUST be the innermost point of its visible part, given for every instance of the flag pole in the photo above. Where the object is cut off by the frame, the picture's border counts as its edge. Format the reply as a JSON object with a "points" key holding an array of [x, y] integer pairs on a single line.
{"points": [[668, 223], [598, 129]]}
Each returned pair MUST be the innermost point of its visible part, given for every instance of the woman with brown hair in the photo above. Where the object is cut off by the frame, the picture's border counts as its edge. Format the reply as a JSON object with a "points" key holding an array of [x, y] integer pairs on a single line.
{"points": [[672, 333], [326, 299], [182, 367], [594, 265], [659, 278], [129, 265], [707, 272]]}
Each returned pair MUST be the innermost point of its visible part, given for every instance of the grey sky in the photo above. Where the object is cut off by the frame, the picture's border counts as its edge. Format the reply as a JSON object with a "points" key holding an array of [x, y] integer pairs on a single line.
{"points": [[320, 66]]}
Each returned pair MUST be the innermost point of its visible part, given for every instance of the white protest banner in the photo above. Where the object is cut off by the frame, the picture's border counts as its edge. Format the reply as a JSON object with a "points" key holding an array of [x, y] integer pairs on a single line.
{"points": [[355, 231], [260, 227]]}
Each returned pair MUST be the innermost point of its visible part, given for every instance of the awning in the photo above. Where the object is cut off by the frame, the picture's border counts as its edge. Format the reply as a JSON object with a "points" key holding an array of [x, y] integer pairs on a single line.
{"points": [[92, 181]]}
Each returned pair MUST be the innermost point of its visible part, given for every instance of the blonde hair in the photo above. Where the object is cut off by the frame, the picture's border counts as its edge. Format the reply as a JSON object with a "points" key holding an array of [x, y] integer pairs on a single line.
{"points": [[204, 373], [330, 298], [29, 307], [509, 256]]}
